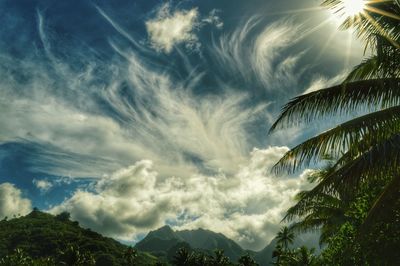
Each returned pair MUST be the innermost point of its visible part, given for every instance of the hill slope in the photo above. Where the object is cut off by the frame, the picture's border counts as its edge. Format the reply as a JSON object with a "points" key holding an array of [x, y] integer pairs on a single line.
{"points": [[43, 235]]}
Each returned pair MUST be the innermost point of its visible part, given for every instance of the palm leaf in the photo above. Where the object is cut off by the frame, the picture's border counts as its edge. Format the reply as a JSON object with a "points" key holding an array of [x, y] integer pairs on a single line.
{"points": [[340, 99], [370, 128], [372, 68], [381, 160]]}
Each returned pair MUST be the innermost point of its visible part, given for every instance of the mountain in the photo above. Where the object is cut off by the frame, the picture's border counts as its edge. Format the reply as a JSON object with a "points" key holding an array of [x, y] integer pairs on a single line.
{"points": [[42, 235], [164, 241]]}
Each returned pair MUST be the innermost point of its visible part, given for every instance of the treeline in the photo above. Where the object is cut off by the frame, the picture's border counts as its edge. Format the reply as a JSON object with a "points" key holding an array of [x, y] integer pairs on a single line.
{"points": [[73, 256]]}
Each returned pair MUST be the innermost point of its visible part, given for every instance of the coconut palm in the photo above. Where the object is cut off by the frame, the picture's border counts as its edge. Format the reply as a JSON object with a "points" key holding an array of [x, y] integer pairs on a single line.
{"points": [[220, 259], [319, 210], [304, 257], [285, 237], [246, 260], [182, 257], [367, 146]]}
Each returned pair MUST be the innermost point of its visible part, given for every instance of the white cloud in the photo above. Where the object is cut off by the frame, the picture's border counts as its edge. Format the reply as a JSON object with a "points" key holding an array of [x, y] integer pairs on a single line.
{"points": [[214, 19], [42, 185], [246, 206], [168, 29], [261, 56], [321, 82], [77, 136], [12, 202]]}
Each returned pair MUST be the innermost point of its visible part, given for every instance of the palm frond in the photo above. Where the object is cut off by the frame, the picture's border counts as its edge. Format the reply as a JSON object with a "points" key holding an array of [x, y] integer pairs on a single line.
{"points": [[381, 160], [309, 204], [370, 128], [340, 99], [370, 23], [372, 68]]}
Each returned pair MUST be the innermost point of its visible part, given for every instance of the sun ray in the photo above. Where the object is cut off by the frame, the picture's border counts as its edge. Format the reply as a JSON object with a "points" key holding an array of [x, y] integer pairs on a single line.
{"points": [[316, 28], [325, 47], [297, 11], [382, 31], [348, 51], [382, 12]]}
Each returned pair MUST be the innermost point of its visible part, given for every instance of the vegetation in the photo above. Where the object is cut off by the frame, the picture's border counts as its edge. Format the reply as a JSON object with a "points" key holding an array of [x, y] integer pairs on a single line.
{"points": [[185, 257], [355, 201], [43, 239]]}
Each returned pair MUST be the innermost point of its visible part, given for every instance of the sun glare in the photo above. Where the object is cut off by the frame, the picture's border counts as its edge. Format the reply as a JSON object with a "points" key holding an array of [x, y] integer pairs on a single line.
{"points": [[352, 8]]}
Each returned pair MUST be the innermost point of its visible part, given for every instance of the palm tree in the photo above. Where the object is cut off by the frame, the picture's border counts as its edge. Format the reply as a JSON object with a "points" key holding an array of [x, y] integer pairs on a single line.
{"points": [[319, 210], [367, 146], [247, 260], [304, 257], [182, 257], [220, 259], [285, 238], [277, 253]]}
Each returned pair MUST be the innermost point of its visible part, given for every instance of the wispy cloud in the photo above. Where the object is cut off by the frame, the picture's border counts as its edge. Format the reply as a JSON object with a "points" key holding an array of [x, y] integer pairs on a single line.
{"points": [[261, 56], [140, 112], [157, 140]]}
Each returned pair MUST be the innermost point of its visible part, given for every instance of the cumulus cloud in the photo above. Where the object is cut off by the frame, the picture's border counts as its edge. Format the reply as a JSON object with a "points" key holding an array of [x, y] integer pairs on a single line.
{"points": [[170, 28], [42, 185], [12, 202], [246, 206]]}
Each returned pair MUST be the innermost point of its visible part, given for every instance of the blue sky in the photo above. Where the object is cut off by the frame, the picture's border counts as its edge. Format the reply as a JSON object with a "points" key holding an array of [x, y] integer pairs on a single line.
{"points": [[133, 114]]}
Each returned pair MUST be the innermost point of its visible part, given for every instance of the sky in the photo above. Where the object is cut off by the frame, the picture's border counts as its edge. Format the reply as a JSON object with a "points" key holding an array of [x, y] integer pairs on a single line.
{"points": [[135, 114]]}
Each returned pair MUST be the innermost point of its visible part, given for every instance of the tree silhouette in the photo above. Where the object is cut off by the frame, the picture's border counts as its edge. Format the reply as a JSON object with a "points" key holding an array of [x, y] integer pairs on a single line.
{"points": [[72, 256], [220, 259], [182, 257], [247, 260], [285, 237]]}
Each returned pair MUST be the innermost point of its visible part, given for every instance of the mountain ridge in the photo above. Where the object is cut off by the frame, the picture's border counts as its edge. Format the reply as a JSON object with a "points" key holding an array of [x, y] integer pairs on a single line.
{"points": [[163, 241]]}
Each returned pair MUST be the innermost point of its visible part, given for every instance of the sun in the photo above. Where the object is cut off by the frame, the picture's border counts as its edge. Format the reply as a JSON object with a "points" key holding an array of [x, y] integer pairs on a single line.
{"points": [[348, 9], [352, 8]]}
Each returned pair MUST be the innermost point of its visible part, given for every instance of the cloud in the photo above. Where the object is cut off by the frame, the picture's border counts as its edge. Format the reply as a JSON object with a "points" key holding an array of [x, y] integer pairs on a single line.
{"points": [[259, 54], [12, 202], [164, 146], [42, 185], [81, 126], [246, 206], [214, 19], [321, 82], [169, 28]]}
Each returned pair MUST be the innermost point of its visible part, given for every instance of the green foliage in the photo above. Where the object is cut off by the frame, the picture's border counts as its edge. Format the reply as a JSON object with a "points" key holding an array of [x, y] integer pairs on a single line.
{"points": [[356, 201], [246, 260], [43, 238], [187, 257]]}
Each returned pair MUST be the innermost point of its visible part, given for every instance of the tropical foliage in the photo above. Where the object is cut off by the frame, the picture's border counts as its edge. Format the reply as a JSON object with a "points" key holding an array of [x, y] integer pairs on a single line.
{"points": [[355, 201], [43, 239]]}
